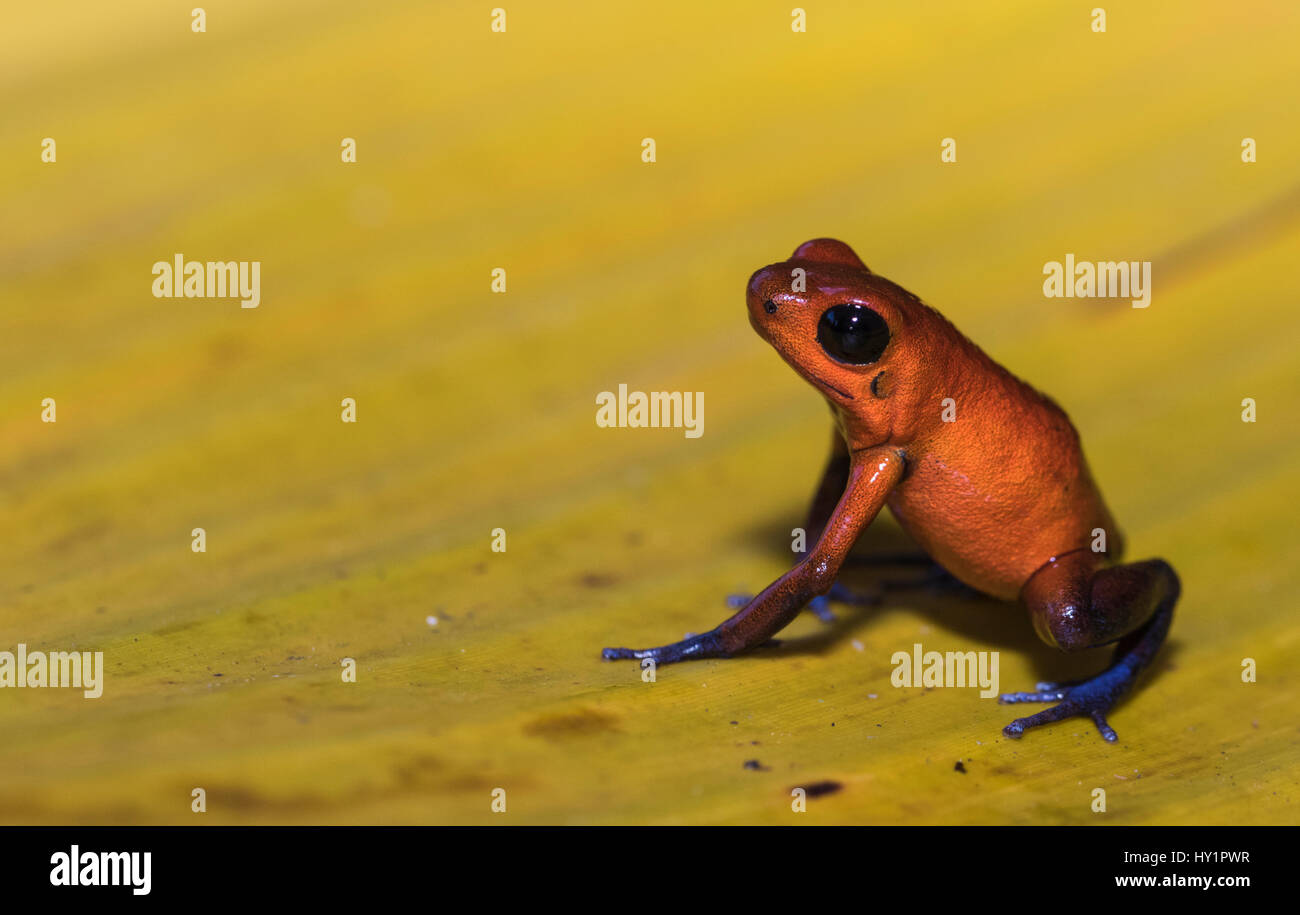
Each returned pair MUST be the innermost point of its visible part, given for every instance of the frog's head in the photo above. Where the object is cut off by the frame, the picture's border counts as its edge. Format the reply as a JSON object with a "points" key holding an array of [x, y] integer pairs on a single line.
{"points": [[855, 336]]}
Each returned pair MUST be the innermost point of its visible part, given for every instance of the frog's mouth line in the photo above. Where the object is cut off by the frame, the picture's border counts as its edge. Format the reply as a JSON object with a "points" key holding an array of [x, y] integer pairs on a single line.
{"points": [[827, 384], [794, 363]]}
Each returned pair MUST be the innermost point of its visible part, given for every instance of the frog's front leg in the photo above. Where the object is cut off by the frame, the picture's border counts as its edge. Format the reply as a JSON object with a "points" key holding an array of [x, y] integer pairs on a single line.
{"points": [[872, 474], [834, 480], [1075, 603]]}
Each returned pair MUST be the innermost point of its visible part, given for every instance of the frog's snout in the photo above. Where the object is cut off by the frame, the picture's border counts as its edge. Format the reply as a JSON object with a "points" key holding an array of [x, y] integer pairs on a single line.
{"points": [[762, 296], [762, 284]]}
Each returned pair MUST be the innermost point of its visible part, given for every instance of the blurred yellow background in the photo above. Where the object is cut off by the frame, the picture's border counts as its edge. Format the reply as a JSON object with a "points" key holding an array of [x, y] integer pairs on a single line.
{"points": [[476, 410]]}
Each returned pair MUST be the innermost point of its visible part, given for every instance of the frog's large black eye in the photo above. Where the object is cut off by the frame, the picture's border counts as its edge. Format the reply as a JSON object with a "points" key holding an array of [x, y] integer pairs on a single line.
{"points": [[853, 333]]}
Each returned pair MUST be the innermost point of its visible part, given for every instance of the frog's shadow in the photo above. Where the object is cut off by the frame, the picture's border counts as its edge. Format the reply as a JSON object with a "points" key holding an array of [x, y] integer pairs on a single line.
{"points": [[954, 606]]}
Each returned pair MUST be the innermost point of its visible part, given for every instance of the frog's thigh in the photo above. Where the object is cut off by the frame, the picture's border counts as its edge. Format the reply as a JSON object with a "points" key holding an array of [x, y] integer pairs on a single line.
{"points": [[1077, 601]]}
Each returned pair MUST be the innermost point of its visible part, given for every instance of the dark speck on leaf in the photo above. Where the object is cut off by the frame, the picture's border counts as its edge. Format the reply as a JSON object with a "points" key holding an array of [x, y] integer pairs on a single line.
{"points": [[756, 765], [582, 722], [959, 767], [817, 789]]}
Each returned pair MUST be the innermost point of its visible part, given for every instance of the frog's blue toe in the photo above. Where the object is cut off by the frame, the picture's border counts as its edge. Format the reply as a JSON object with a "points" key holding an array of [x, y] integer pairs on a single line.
{"points": [[1087, 699], [820, 607]]}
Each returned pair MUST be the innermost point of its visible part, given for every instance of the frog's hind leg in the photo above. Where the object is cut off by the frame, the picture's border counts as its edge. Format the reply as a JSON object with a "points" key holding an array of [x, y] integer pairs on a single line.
{"points": [[1076, 603]]}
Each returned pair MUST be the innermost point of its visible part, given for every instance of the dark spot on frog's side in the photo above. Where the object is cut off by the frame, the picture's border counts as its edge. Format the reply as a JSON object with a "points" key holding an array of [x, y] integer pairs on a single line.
{"points": [[818, 789]]}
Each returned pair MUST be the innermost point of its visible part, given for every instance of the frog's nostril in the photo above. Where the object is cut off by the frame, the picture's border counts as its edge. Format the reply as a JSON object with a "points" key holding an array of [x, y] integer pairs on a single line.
{"points": [[770, 307]]}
